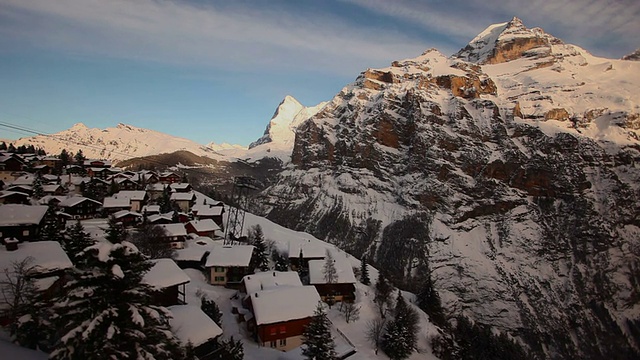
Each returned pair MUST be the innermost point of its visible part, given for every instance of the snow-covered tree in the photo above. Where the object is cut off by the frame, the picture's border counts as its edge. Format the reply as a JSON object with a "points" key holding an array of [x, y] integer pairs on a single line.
{"points": [[106, 310], [210, 308], [165, 200], [364, 271], [147, 239], [429, 301], [317, 342], [36, 186], [260, 253], [400, 336], [375, 330], [280, 260], [329, 269], [350, 311], [382, 297], [229, 350], [79, 158], [76, 241], [115, 233]]}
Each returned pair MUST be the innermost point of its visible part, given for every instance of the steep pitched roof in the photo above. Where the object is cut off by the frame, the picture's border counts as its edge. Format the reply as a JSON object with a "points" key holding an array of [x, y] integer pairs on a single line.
{"points": [[165, 273], [75, 200], [190, 324], [47, 256], [270, 280], [17, 214], [204, 225], [175, 229], [284, 304], [344, 270]]}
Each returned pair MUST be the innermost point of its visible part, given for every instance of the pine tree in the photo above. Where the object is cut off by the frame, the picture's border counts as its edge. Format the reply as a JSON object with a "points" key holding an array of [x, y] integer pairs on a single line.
{"points": [[317, 341], [115, 233], [3, 146], [11, 148], [38, 189], [400, 337], [382, 297], [260, 256], [65, 158], [229, 350], [329, 269], [105, 312], [114, 187], [77, 240], [79, 158], [210, 308], [165, 200], [364, 271], [429, 301], [281, 261], [147, 239]]}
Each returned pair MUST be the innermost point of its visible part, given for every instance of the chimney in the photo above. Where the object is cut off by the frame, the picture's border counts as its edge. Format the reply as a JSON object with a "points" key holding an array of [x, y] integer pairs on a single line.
{"points": [[11, 244]]}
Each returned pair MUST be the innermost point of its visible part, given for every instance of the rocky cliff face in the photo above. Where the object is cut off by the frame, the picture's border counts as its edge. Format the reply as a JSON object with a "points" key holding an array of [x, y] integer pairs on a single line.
{"points": [[519, 158]]}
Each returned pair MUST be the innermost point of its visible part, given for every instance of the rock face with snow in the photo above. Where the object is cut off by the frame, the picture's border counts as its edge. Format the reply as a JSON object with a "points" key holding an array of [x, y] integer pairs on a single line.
{"points": [[512, 166], [116, 144], [634, 56]]}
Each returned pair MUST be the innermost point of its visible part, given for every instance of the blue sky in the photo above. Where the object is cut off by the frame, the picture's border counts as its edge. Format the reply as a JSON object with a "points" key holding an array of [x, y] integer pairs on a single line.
{"points": [[216, 70]]}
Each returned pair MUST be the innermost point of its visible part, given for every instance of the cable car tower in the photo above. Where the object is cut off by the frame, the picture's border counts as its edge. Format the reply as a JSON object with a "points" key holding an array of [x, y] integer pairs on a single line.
{"points": [[242, 185]]}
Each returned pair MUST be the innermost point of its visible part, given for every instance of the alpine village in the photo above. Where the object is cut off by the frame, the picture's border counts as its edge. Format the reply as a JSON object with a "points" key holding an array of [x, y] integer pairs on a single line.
{"points": [[483, 205]]}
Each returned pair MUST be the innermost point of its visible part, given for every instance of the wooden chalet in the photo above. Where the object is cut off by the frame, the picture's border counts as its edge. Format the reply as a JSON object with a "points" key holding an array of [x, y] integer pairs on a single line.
{"points": [[95, 163], [192, 326], [53, 162], [22, 222], [98, 172], [176, 235], [41, 169], [137, 198], [159, 219], [127, 218], [342, 288], [11, 167], [26, 189], [168, 281], [206, 228], [14, 197], [184, 201], [53, 189], [127, 184], [80, 207], [180, 187], [112, 204], [203, 212], [169, 178], [307, 251], [155, 190]]}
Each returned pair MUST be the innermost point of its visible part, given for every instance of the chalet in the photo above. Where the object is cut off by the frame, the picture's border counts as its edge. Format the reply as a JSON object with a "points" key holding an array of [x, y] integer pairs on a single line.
{"points": [[74, 169], [155, 191], [305, 250], [151, 209], [52, 162], [147, 177], [184, 200], [53, 189], [192, 326], [127, 184], [168, 281], [127, 218], [41, 169], [203, 211], [342, 288], [80, 207], [281, 315], [47, 260], [158, 219], [203, 228], [22, 222], [264, 281], [137, 198], [26, 189], [111, 204], [98, 172], [53, 200], [10, 167], [14, 197], [50, 179], [169, 178], [175, 235], [227, 265], [93, 163], [180, 187]]}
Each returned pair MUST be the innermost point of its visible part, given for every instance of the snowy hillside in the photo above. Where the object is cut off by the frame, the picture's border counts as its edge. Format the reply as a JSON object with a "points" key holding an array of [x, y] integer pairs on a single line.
{"points": [[509, 169], [116, 143]]}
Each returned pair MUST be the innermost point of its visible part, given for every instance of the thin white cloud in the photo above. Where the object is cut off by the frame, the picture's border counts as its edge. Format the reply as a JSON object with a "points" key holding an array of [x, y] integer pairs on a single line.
{"points": [[179, 32]]}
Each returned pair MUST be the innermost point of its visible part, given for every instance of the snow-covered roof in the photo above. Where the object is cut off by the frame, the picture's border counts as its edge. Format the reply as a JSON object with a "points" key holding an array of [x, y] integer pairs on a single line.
{"points": [[112, 202], [135, 195], [165, 273], [151, 208], [90, 161], [50, 188], [47, 198], [309, 250], [270, 280], [5, 193], [23, 180], [174, 229], [180, 186], [156, 187], [344, 271], [236, 255], [75, 200], [13, 351], [47, 256], [18, 214], [206, 210], [191, 324], [284, 304], [204, 225], [183, 196], [123, 213], [155, 217]]}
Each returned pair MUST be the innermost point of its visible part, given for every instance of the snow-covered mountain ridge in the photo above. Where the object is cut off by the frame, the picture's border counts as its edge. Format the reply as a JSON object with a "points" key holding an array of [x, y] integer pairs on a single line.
{"points": [[511, 166]]}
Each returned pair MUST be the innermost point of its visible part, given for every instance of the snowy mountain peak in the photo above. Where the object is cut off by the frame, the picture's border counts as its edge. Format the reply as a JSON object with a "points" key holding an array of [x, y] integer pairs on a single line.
{"points": [[78, 126], [507, 41], [281, 128]]}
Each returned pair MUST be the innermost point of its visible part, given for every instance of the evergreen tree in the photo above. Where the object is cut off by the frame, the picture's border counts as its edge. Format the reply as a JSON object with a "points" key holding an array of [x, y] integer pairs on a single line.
{"points": [[3, 146], [115, 233], [114, 187], [105, 312], [329, 269], [65, 157], [77, 240], [229, 350], [52, 232], [317, 343], [210, 308], [165, 200], [382, 297], [79, 158], [429, 301], [400, 337], [364, 271], [260, 256], [147, 239], [11, 148], [281, 261], [38, 189]]}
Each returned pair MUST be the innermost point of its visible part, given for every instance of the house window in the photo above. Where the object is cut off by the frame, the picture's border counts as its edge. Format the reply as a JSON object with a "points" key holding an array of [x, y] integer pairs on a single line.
{"points": [[219, 269], [273, 344], [272, 330], [283, 329], [25, 232], [283, 342], [219, 279]]}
